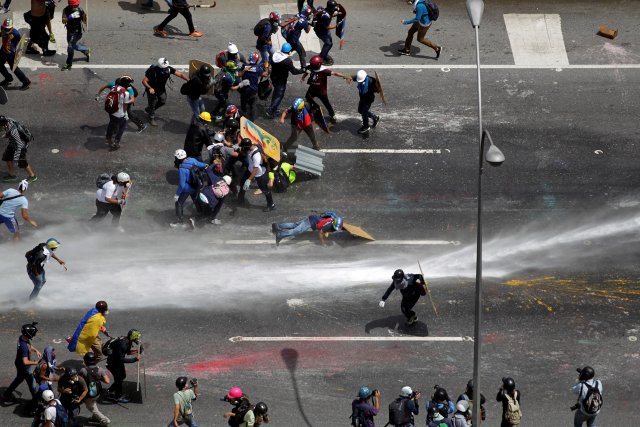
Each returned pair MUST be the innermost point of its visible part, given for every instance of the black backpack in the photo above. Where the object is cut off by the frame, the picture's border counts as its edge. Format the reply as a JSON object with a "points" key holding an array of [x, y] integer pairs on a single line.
{"points": [[357, 417], [399, 414], [33, 255], [258, 30], [238, 413], [107, 347], [197, 177], [102, 179], [592, 401], [280, 180], [434, 11]]}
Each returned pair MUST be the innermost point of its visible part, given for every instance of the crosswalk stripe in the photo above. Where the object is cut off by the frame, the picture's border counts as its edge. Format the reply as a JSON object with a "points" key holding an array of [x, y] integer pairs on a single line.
{"points": [[57, 60], [536, 39]]}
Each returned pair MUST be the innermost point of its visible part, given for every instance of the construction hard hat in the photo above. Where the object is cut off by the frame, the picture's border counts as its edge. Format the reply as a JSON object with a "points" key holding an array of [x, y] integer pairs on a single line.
{"points": [[30, 329], [89, 358], [274, 17], [253, 57], [74, 2], [102, 306], [509, 384], [587, 373], [24, 184], [233, 49], [180, 154], [230, 65], [181, 382], [232, 124], [163, 63], [332, 4], [440, 394], [316, 62], [206, 116], [286, 48], [235, 393], [218, 137], [7, 25], [227, 179], [298, 104], [232, 110], [406, 391], [462, 406], [48, 395], [134, 335], [361, 75], [306, 12], [260, 409], [53, 243], [364, 392], [125, 81], [123, 177]]}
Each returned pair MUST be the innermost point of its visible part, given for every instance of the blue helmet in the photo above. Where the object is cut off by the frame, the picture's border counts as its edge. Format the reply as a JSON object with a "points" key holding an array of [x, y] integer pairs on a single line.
{"points": [[286, 48], [298, 104], [364, 392], [337, 223]]}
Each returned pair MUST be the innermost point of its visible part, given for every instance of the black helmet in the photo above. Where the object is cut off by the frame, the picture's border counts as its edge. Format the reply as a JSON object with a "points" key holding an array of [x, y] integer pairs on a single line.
{"points": [[71, 372], [102, 306], [586, 373], [245, 143], [470, 387], [332, 5], [181, 382], [3, 120], [440, 394], [509, 384], [233, 124], [30, 329], [260, 409], [125, 81], [205, 70], [398, 275], [89, 358]]}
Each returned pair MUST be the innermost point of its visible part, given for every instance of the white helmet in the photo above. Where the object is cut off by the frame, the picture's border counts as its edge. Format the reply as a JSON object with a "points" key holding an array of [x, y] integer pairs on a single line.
{"points": [[406, 391], [123, 177], [47, 395], [24, 184], [361, 75], [232, 48], [180, 154], [227, 179], [163, 62], [462, 406], [219, 137]]}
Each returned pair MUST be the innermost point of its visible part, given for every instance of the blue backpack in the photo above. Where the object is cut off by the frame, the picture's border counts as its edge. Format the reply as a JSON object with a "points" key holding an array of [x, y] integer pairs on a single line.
{"points": [[434, 11], [62, 418]]}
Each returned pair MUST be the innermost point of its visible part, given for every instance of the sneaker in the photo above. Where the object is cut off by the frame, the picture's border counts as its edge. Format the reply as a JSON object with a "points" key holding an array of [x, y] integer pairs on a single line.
{"points": [[376, 119], [160, 33], [114, 146], [6, 82], [216, 222], [438, 52], [108, 141], [142, 128], [32, 179], [178, 225], [413, 319], [152, 121], [269, 115], [269, 208], [404, 51], [48, 52], [88, 55], [278, 239], [123, 399], [192, 223], [52, 38], [274, 228], [364, 129], [333, 119], [8, 398], [196, 34], [10, 178], [65, 67], [25, 85], [4, 10]]}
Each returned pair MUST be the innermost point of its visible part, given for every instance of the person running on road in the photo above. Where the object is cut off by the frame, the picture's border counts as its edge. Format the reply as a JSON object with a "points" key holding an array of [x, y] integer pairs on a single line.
{"points": [[301, 120], [322, 27], [317, 82], [11, 200], [412, 287], [111, 197], [16, 151], [249, 91], [195, 87], [73, 16], [133, 94], [281, 67], [256, 169], [36, 259], [263, 30], [324, 223], [420, 24], [182, 408], [121, 348], [367, 88], [94, 376], [198, 136], [178, 7], [293, 31], [23, 364], [155, 83], [10, 41], [118, 119], [86, 337], [185, 190]]}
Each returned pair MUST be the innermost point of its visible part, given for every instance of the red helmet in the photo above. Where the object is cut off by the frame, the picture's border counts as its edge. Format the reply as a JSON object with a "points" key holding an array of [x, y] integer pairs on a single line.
{"points": [[307, 12], [253, 57], [235, 393], [274, 17], [316, 62], [74, 2], [232, 110]]}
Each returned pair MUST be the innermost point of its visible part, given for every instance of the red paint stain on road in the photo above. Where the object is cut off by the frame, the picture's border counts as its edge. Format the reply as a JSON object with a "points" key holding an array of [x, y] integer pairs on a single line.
{"points": [[491, 338], [44, 76], [71, 154]]}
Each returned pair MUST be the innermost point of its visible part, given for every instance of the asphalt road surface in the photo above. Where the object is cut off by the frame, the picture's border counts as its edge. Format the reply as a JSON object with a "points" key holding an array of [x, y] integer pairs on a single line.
{"points": [[561, 219]]}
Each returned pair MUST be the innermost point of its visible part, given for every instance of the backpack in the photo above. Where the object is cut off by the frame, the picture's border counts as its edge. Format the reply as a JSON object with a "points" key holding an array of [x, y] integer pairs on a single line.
{"points": [[433, 10], [220, 189], [217, 80], [32, 255], [112, 101], [238, 417], [197, 177], [513, 413], [107, 347], [62, 418], [25, 134], [94, 382], [357, 418], [280, 180], [398, 413], [592, 402], [258, 30], [102, 179]]}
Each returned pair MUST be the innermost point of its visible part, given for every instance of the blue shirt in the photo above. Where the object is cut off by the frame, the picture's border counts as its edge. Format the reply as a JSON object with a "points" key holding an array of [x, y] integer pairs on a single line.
{"points": [[299, 26], [422, 15], [253, 74], [184, 171], [8, 207], [13, 43], [323, 22], [22, 351]]}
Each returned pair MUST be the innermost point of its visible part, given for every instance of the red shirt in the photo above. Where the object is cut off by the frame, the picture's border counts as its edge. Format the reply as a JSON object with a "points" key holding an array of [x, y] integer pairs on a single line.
{"points": [[318, 82]]}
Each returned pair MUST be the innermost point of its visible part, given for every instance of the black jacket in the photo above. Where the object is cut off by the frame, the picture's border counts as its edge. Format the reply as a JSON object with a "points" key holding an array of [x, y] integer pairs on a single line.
{"points": [[195, 87], [197, 137], [281, 67]]}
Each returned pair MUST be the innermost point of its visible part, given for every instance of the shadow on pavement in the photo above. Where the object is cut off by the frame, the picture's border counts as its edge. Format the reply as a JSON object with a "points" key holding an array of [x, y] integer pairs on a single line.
{"points": [[290, 358], [397, 324], [391, 51], [136, 7]]}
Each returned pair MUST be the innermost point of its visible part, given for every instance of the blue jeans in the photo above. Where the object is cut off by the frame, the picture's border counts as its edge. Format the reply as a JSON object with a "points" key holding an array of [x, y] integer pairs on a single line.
{"points": [[74, 44], [580, 418], [191, 422], [276, 98], [38, 282], [116, 125], [182, 198], [23, 374], [266, 50], [290, 229], [327, 44], [197, 106], [364, 108]]}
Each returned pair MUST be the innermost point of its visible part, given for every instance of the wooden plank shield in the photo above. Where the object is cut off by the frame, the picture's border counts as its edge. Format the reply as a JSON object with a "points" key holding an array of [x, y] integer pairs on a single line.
{"points": [[318, 117], [19, 53], [379, 88], [257, 135], [194, 66], [354, 230]]}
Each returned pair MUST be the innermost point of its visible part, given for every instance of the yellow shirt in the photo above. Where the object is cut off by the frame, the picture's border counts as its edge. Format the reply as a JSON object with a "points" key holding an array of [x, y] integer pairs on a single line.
{"points": [[89, 333]]}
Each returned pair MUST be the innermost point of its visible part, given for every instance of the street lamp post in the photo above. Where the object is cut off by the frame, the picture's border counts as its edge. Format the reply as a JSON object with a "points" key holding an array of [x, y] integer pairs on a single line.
{"points": [[494, 157]]}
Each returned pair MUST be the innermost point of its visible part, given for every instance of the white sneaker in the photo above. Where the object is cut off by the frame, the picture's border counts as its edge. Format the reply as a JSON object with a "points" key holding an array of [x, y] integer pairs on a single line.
{"points": [[4, 10], [216, 222], [192, 223], [178, 225]]}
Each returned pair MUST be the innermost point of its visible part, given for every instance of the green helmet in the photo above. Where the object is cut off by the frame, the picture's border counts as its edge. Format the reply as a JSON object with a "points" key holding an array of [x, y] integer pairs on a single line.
{"points": [[134, 335]]}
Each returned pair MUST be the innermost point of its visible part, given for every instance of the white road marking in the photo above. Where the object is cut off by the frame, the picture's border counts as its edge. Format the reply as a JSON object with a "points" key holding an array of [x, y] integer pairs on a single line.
{"points": [[374, 242], [310, 41], [384, 151], [295, 302], [350, 339], [60, 46], [536, 39]]}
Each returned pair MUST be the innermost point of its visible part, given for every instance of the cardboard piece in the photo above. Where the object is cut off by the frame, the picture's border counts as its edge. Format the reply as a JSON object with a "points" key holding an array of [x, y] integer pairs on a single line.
{"points": [[318, 117], [256, 134], [379, 87], [354, 230]]}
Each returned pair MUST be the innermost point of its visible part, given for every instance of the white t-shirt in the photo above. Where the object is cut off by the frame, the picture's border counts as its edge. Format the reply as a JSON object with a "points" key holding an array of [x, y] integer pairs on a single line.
{"points": [[123, 98], [108, 190], [255, 160], [50, 412]]}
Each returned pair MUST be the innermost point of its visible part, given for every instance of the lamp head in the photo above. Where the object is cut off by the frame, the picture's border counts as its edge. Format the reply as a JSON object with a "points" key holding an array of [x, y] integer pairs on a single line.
{"points": [[494, 156], [475, 8]]}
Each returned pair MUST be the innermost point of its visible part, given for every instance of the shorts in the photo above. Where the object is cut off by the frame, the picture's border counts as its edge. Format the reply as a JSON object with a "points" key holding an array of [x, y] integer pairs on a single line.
{"points": [[9, 153], [11, 223]]}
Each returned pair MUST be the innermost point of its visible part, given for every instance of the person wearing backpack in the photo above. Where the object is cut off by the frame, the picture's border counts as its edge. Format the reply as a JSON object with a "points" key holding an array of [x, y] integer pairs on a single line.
{"points": [[197, 85], [214, 193], [362, 411], [10, 201], [111, 196], [73, 389], [198, 136], [256, 170], [117, 105], [177, 7], [241, 415], [412, 287], [54, 414], [36, 259], [119, 349], [440, 404], [155, 84], [301, 120], [324, 223], [74, 17], [468, 397], [281, 67], [462, 416], [16, 152], [133, 94], [263, 30], [510, 398], [403, 408], [186, 169], [293, 31], [10, 41], [589, 391], [94, 376], [225, 81], [421, 24], [183, 409]]}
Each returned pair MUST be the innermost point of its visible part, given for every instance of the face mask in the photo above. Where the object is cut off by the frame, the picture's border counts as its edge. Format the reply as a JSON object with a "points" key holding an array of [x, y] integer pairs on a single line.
{"points": [[401, 284], [106, 312]]}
